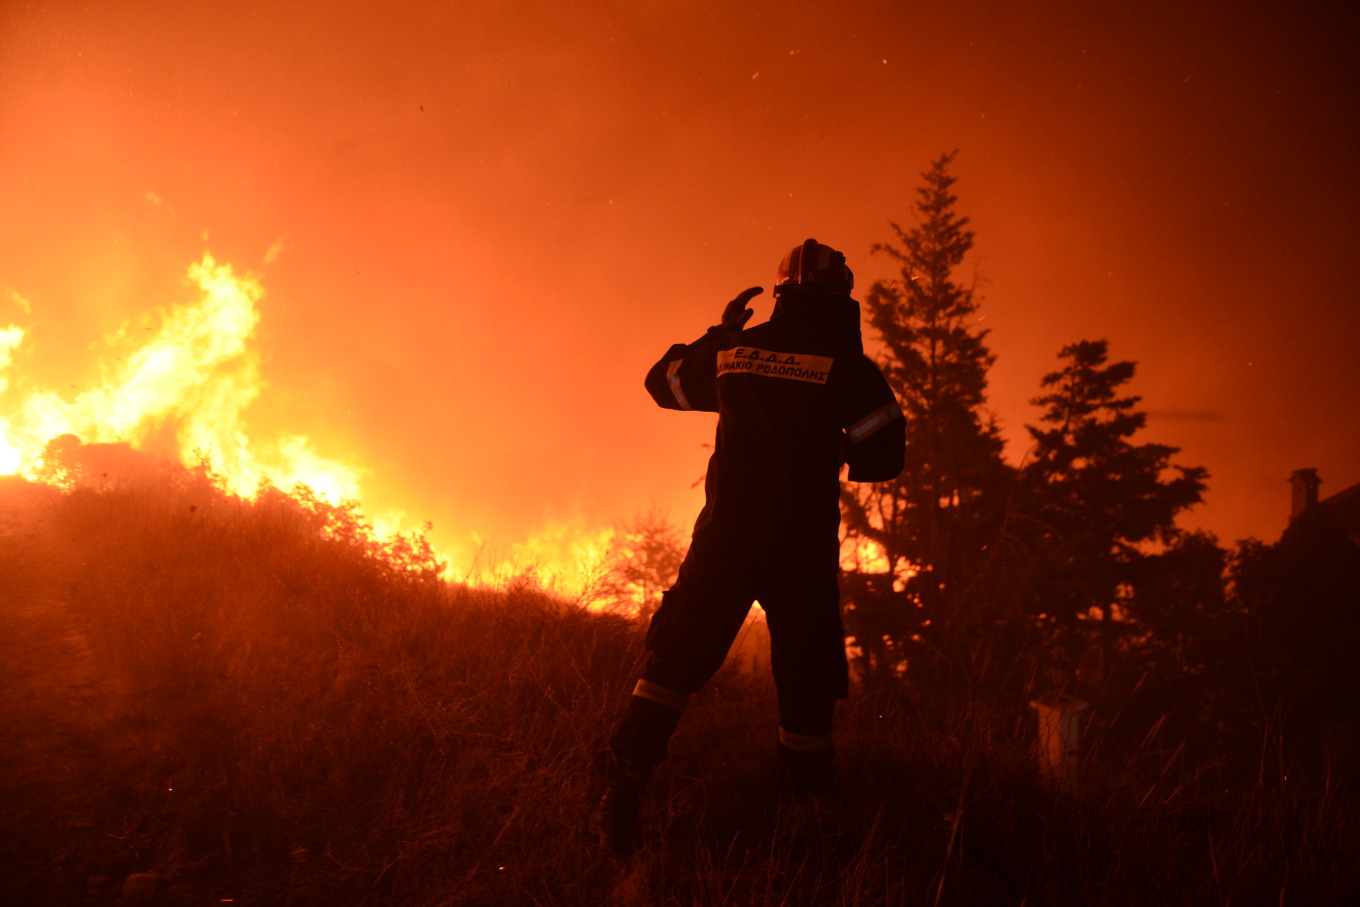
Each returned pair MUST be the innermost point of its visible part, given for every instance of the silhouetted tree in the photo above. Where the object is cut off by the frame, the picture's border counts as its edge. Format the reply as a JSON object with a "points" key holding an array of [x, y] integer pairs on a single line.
{"points": [[1184, 665], [933, 523], [881, 625], [642, 562], [1182, 609], [1090, 501], [60, 464]]}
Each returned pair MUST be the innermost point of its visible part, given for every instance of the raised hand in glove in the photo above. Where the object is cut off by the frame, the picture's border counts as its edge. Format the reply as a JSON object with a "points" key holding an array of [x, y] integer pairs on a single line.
{"points": [[736, 314]]}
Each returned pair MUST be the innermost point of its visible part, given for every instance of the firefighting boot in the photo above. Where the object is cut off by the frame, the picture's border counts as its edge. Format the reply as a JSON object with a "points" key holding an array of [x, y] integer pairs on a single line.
{"points": [[639, 743], [621, 806]]}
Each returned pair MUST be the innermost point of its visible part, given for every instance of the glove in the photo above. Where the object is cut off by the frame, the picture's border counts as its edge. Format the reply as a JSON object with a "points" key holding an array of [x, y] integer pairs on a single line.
{"points": [[735, 316]]}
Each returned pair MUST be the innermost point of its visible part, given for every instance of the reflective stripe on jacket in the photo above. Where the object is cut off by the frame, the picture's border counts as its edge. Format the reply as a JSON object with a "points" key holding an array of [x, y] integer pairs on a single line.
{"points": [[795, 397]]}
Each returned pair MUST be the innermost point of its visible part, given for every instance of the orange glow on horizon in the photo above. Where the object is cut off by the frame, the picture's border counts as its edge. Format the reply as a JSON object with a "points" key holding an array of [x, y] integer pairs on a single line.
{"points": [[492, 220]]}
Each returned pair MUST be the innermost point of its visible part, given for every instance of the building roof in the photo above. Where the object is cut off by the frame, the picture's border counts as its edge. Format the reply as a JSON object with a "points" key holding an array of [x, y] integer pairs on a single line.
{"points": [[1344, 510]]}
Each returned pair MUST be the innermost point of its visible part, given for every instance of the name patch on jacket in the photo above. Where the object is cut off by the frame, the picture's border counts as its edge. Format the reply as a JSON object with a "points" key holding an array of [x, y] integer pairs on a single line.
{"points": [[795, 366]]}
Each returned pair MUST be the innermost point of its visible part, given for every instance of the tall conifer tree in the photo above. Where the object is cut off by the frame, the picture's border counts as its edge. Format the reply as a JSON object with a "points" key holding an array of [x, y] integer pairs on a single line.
{"points": [[934, 521], [1091, 500]]}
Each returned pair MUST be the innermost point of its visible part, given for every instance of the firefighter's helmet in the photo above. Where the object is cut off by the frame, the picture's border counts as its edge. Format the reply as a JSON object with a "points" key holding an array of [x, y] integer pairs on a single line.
{"points": [[811, 264]]}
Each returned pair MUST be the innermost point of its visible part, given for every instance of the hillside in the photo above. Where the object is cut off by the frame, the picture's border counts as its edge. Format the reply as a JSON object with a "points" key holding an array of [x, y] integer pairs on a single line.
{"points": [[208, 700]]}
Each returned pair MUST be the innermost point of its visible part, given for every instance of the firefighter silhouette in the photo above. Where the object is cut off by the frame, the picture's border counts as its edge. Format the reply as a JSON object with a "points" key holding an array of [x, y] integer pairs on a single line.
{"points": [[796, 399]]}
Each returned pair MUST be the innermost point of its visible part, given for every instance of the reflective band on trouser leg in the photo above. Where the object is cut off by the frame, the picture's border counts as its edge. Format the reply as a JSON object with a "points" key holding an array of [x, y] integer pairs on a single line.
{"points": [[673, 378], [805, 743], [661, 695], [873, 422]]}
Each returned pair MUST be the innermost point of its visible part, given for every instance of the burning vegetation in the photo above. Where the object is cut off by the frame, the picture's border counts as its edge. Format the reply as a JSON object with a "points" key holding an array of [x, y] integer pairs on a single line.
{"points": [[215, 699], [174, 390]]}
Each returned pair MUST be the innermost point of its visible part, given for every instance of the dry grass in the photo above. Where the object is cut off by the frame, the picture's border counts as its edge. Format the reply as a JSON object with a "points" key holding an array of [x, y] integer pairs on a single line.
{"points": [[206, 700]]}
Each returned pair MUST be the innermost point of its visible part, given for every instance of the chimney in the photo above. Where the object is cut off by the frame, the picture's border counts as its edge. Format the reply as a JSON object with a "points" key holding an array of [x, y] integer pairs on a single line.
{"points": [[1305, 484]]}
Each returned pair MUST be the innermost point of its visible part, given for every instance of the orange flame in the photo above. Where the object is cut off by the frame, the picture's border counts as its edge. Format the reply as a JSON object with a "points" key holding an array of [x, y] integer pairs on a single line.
{"points": [[860, 554], [191, 383], [197, 374], [565, 557]]}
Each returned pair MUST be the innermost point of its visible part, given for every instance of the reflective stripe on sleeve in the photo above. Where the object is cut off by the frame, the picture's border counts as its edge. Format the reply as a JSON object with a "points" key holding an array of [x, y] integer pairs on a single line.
{"points": [[673, 378], [873, 422], [661, 695]]}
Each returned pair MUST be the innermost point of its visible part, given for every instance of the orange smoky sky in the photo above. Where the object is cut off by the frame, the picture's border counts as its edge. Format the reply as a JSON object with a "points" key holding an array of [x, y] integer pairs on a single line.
{"points": [[476, 224]]}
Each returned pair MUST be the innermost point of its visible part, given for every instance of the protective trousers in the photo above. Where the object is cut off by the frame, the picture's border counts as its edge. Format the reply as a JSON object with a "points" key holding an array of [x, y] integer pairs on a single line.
{"points": [[699, 618]]}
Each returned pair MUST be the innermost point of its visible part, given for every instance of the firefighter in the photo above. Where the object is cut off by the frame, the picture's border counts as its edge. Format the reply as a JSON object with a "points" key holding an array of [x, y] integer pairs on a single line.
{"points": [[796, 399]]}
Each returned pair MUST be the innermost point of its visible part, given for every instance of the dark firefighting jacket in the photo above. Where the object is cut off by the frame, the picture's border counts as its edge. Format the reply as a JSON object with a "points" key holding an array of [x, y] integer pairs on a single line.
{"points": [[796, 398]]}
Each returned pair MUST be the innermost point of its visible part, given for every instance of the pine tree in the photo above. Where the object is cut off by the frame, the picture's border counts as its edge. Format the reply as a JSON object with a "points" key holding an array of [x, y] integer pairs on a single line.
{"points": [[1091, 501], [933, 522], [641, 563]]}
